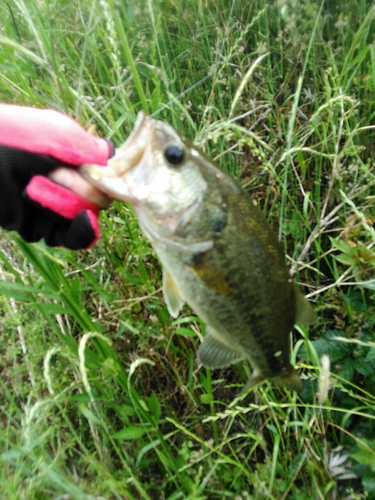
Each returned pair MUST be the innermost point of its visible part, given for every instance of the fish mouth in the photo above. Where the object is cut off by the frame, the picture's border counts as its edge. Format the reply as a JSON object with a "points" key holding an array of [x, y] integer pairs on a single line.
{"points": [[125, 159]]}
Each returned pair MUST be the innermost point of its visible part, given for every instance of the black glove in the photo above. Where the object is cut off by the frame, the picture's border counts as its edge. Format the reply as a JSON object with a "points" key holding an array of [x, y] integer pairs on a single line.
{"points": [[34, 142], [37, 208]]}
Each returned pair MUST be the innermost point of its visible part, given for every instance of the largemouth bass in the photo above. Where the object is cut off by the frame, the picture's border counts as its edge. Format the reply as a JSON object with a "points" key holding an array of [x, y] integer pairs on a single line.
{"points": [[217, 250]]}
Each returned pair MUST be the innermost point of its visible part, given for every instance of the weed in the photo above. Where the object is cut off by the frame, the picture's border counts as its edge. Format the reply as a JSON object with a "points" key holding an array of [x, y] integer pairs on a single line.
{"points": [[101, 395]]}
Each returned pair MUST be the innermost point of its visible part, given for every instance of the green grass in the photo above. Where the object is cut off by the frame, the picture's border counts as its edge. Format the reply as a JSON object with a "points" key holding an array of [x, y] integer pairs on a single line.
{"points": [[101, 396]]}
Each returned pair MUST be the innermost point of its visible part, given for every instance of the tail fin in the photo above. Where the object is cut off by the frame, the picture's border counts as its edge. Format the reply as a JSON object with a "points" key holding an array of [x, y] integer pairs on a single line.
{"points": [[290, 380]]}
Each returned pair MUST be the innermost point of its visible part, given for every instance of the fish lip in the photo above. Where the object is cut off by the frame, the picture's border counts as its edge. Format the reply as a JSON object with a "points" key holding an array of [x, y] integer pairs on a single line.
{"points": [[125, 158]]}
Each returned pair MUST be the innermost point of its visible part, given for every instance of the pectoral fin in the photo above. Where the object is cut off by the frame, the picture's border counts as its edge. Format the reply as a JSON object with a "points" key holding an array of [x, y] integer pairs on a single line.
{"points": [[305, 313], [213, 353], [172, 295]]}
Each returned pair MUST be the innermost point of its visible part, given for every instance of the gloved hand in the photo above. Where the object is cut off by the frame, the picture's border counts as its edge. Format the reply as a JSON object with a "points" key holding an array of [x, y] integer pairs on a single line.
{"points": [[33, 143]]}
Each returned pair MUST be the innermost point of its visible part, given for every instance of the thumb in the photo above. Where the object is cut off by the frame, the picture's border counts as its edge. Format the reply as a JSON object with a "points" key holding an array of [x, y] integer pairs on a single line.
{"points": [[72, 180]]}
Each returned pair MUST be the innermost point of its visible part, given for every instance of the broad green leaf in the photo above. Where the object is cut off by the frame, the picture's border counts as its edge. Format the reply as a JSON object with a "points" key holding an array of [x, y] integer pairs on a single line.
{"points": [[185, 332], [345, 259], [365, 455], [130, 433], [206, 399], [89, 415], [154, 406], [341, 245]]}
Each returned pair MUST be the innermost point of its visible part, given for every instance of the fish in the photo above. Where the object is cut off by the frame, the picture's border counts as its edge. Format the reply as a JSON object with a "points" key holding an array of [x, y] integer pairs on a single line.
{"points": [[217, 250]]}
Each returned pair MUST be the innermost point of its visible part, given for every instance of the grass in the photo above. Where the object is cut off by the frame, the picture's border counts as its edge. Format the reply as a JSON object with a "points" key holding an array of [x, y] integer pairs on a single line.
{"points": [[101, 395]]}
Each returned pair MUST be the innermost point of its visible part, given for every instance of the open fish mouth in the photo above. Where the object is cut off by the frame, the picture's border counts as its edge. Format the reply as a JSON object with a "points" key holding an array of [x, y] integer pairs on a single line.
{"points": [[126, 157]]}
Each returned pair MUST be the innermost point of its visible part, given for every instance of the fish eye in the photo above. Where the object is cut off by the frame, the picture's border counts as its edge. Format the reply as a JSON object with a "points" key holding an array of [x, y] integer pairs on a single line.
{"points": [[174, 155]]}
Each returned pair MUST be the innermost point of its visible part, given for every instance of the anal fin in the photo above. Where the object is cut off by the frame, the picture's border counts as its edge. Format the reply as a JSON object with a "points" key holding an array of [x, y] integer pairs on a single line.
{"points": [[213, 353], [255, 379]]}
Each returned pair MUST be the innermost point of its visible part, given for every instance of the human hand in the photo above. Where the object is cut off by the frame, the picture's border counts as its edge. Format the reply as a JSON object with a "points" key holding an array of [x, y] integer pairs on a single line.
{"points": [[71, 179], [37, 199]]}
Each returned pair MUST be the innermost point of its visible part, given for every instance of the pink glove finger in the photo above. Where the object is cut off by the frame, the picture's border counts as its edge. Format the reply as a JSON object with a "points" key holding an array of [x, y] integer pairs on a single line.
{"points": [[59, 199], [48, 132]]}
